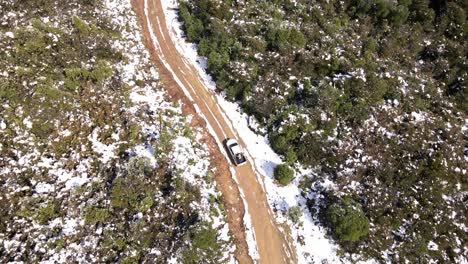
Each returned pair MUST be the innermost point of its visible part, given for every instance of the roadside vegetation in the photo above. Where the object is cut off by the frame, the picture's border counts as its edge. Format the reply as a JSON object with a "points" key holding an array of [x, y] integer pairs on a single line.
{"points": [[95, 164], [371, 94], [284, 174]]}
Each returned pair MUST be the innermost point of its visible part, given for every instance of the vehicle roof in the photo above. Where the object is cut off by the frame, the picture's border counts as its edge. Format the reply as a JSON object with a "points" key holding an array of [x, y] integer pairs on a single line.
{"points": [[230, 141], [236, 149]]}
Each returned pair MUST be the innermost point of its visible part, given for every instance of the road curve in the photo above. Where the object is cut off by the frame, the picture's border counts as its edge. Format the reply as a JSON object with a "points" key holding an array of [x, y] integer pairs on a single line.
{"points": [[271, 243]]}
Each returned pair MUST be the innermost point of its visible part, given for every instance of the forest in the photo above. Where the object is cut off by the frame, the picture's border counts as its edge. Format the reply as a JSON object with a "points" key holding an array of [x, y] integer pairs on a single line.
{"points": [[372, 94]]}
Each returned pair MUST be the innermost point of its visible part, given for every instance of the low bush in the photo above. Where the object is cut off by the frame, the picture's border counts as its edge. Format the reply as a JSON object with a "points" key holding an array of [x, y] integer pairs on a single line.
{"points": [[284, 174], [348, 220], [204, 245], [295, 214]]}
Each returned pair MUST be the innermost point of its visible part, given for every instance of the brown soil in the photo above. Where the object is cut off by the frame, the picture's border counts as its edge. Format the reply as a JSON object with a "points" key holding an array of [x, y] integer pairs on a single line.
{"points": [[272, 244]]}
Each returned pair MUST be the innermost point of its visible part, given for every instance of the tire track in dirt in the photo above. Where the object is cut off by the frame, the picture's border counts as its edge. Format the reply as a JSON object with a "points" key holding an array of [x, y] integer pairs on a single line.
{"points": [[182, 82]]}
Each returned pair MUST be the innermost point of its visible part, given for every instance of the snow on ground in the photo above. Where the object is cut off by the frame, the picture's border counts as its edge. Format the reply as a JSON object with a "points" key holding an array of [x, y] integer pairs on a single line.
{"points": [[43, 187], [316, 247], [188, 49], [107, 152], [172, 20], [191, 161], [188, 158]]}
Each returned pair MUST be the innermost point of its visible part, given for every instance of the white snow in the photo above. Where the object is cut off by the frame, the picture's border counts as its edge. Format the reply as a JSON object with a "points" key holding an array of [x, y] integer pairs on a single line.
{"points": [[171, 18], [58, 175], [69, 228], [45, 162], [42, 187], [27, 122], [75, 182], [145, 151], [106, 151], [65, 133], [419, 116], [316, 247], [432, 246], [2, 125]]}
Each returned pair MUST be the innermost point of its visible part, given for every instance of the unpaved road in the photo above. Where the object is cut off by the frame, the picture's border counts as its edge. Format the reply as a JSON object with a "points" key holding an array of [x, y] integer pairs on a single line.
{"points": [[177, 73]]}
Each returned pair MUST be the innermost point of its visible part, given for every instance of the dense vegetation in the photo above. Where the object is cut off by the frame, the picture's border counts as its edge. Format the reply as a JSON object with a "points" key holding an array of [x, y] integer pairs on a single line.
{"points": [[73, 188], [371, 93]]}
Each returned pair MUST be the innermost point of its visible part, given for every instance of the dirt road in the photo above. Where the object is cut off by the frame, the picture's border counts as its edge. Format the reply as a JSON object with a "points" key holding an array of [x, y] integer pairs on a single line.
{"points": [[177, 73]]}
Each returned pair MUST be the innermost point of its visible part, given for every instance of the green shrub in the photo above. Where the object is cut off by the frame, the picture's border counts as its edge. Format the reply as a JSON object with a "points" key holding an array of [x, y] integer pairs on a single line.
{"points": [[131, 260], [347, 220], [284, 174], [75, 78], [370, 46], [95, 215], [101, 72], [59, 244], [295, 214], [399, 15], [80, 25], [297, 39], [47, 213], [146, 204], [205, 247], [394, 35], [280, 143], [139, 166], [291, 156]]}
